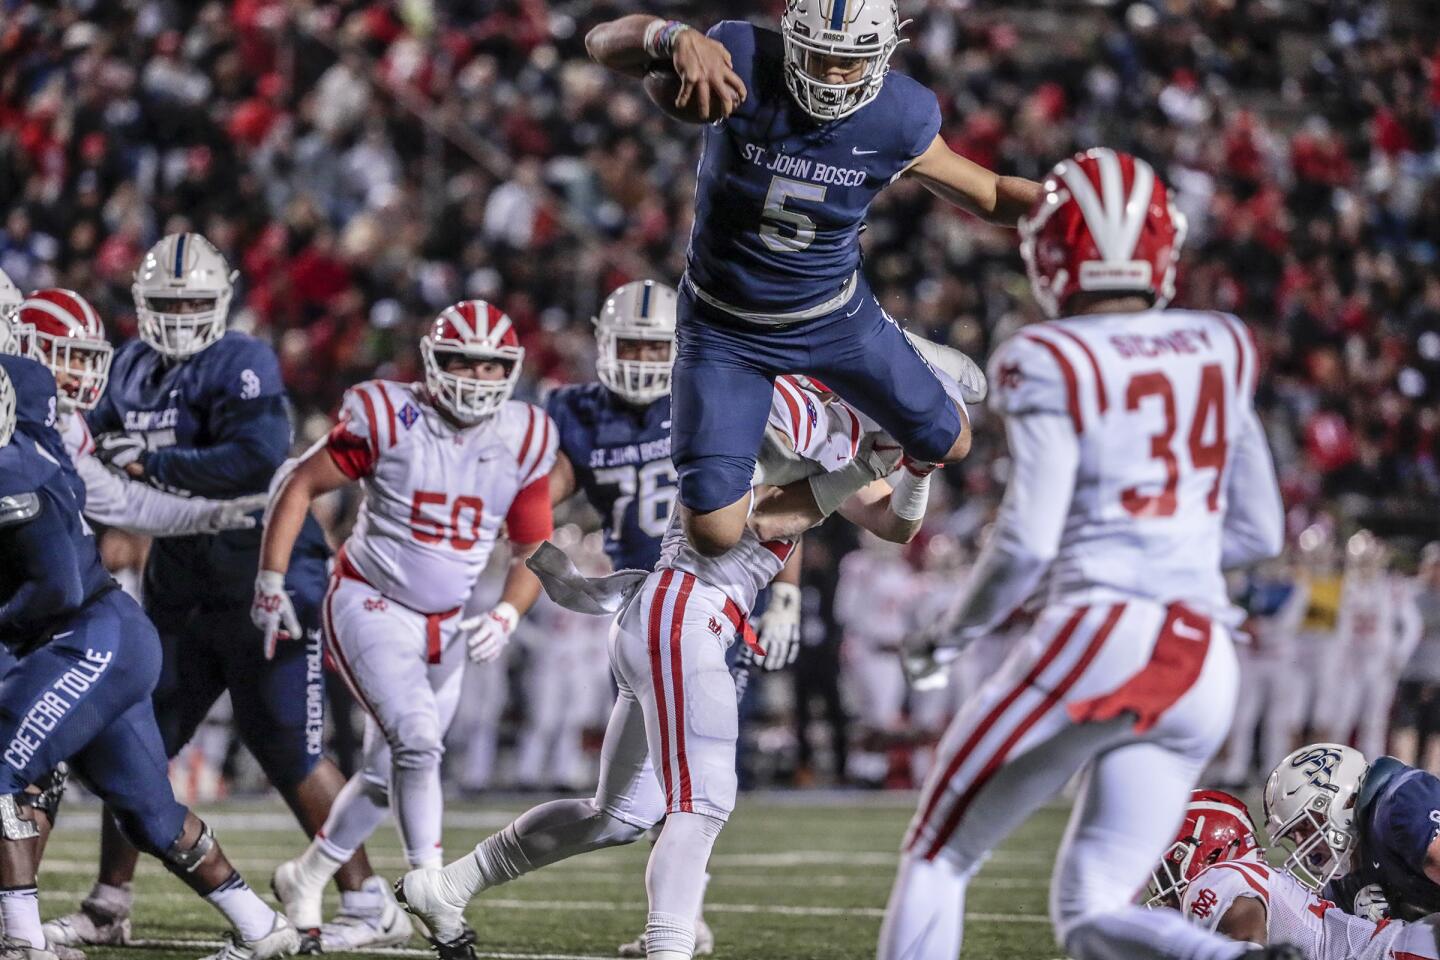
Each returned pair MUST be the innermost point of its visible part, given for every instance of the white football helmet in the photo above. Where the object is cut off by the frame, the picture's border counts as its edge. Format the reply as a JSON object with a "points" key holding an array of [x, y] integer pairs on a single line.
{"points": [[15, 337], [844, 30], [642, 310], [1310, 807], [69, 338], [7, 408], [478, 330], [182, 295]]}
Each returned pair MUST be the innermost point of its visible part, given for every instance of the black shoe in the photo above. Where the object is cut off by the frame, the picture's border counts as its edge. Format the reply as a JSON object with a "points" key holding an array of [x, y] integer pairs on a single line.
{"points": [[463, 947]]}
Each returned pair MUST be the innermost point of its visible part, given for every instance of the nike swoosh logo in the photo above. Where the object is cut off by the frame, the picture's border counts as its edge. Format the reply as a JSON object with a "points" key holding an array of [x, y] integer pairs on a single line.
{"points": [[862, 153], [665, 425], [62, 636]]}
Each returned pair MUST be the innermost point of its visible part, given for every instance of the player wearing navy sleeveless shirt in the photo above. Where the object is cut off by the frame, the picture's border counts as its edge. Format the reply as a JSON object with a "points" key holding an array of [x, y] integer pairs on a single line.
{"points": [[194, 407], [84, 660], [806, 127], [1368, 835]]}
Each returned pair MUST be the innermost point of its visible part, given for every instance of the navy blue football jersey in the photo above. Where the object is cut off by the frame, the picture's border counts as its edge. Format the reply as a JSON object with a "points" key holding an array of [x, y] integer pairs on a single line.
{"points": [[1397, 817], [781, 196], [35, 413], [621, 456], [216, 424], [49, 563]]}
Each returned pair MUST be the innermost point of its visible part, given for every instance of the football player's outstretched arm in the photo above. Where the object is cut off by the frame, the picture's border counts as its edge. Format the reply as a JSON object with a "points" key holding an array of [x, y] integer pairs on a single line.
{"points": [[632, 44], [968, 185], [1045, 454], [140, 508], [1254, 515], [528, 523]]}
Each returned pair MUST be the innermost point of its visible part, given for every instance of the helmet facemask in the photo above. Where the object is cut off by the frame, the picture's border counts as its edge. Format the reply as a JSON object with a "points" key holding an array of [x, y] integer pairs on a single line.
{"points": [[181, 326], [636, 381], [469, 400], [816, 41], [1169, 878], [81, 367], [1320, 851]]}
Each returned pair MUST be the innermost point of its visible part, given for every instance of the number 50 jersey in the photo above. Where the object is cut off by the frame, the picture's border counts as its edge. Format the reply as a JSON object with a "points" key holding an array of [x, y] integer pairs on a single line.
{"points": [[1161, 405], [436, 497]]}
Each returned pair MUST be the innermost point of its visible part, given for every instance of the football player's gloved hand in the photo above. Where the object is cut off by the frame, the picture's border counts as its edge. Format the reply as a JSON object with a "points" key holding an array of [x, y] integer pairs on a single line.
{"points": [[487, 634], [927, 665], [272, 612], [235, 514], [779, 631], [1371, 903], [119, 450]]}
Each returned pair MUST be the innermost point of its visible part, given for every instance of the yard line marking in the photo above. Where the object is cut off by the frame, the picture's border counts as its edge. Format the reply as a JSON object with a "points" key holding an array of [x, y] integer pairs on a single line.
{"points": [[375, 952]]}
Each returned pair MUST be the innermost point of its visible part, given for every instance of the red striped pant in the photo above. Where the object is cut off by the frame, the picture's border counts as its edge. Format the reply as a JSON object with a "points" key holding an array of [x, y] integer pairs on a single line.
{"points": [[1016, 743], [668, 656]]}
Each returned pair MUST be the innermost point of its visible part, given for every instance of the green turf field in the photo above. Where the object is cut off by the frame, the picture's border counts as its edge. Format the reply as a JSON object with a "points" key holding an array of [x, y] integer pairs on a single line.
{"points": [[792, 878]]}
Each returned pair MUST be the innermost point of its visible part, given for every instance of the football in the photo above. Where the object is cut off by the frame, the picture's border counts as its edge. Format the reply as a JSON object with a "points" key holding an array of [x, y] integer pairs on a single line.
{"points": [[662, 86]]}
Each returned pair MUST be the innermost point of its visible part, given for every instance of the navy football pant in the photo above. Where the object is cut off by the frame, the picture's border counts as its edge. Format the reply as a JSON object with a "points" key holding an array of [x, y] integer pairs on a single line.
{"points": [[724, 378], [279, 704], [85, 697]]}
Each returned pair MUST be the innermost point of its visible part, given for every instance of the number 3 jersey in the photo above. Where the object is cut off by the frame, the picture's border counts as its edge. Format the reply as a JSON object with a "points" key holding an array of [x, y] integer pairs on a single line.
{"points": [[436, 497], [1152, 415]]}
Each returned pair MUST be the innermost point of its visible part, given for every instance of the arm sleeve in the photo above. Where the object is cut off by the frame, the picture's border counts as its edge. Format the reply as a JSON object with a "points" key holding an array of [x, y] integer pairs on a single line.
{"points": [[249, 422], [539, 446], [51, 586], [529, 519], [116, 502], [1045, 454], [1254, 516], [1210, 895], [354, 443]]}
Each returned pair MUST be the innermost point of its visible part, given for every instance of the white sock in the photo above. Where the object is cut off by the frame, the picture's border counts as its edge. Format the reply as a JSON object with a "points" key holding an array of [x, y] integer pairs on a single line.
{"points": [[20, 910], [369, 900], [669, 937], [320, 860], [359, 808], [704, 887], [1134, 933], [675, 875], [419, 801], [247, 913], [926, 913]]}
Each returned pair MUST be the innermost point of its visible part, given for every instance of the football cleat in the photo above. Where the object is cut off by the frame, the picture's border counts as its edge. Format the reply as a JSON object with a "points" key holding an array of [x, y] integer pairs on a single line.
{"points": [[444, 921], [301, 901], [386, 927], [704, 943], [13, 948], [283, 940], [98, 923]]}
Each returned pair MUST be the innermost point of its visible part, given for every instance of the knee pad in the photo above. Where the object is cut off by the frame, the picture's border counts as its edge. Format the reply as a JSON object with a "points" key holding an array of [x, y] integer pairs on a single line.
{"points": [[710, 482], [416, 743], [46, 793], [615, 832], [12, 825], [180, 857]]}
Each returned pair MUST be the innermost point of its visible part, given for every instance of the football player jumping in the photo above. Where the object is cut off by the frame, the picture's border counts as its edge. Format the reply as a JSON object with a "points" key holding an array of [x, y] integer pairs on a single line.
{"points": [[197, 407], [1215, 874], [1365, 835], [62, 330], [677, 707], [1140, 471], [445, 467], [809, 124]]}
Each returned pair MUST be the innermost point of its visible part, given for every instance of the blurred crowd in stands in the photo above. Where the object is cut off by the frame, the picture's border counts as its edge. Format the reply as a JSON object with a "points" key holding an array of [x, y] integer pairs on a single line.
{"points": [[364, 163]]}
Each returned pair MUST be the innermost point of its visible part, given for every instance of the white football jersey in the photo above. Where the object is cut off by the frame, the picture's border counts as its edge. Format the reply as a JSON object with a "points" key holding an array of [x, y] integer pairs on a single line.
{"points": [[436, 497], [1161, 405], [876, 595], [827, 435], [1293, 912], [1369, 623]]}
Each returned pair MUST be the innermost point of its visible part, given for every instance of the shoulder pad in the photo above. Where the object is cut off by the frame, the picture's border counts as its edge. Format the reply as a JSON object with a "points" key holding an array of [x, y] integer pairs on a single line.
{"points": [[1380, 775], [18, 508], [1030, 373]]}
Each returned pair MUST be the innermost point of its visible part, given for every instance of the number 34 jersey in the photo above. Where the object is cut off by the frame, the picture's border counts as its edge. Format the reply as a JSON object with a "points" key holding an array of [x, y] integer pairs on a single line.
{"points": [[1161, 406], [436, 497]]}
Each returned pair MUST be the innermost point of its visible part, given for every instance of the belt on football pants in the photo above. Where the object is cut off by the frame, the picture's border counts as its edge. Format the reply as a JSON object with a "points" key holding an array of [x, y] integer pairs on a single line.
{"points": [[346, 571], [776, 319]]}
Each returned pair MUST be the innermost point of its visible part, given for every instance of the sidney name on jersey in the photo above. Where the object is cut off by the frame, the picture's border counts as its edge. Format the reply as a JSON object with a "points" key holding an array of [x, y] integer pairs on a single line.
{"points": [[436, 498]]}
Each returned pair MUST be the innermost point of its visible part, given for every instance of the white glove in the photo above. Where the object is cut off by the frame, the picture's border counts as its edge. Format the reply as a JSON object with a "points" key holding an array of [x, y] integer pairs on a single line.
{"points": [[927, 668], [780, 627], [272, 612], [1371, 904], [235, 514], [118, 450], [487, 634]]}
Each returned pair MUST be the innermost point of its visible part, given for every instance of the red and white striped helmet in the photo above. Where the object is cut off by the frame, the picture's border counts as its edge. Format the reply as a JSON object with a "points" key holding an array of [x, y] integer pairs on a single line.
{"points": [[1217, 827], [1104, 223], [479, 331], [69, 339]]}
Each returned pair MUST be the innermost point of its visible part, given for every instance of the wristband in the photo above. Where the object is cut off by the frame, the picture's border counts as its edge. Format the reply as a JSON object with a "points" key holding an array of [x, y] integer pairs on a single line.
{"points": [[911, 493], [506, 613], [660, 38]]}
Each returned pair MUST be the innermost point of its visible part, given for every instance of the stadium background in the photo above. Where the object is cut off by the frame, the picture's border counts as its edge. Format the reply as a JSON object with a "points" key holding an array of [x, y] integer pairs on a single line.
{"points": [[363, 164]]}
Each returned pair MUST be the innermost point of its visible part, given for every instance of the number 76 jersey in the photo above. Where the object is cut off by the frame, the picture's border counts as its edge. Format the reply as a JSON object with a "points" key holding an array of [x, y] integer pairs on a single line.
{"points": [[436, 497], [1161, 406]]}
